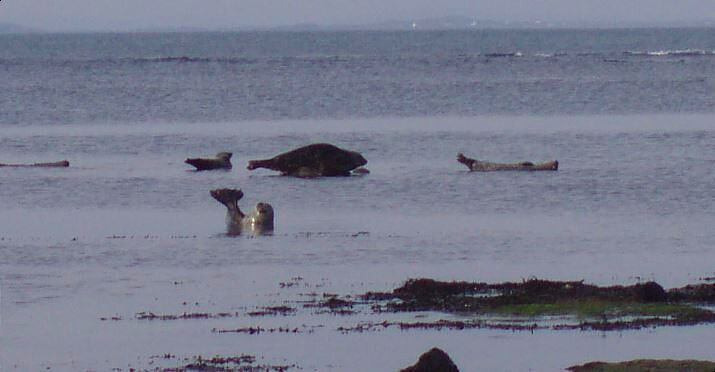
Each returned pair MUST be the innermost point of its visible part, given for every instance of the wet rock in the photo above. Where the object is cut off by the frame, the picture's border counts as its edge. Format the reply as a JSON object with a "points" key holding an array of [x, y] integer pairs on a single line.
{"points": [[650, 292], [434, 360], [693, 293]]}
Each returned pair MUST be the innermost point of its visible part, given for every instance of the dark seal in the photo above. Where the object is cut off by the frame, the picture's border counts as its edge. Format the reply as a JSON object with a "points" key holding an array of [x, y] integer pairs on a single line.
{"points": [[257, 222], [221, 161], [317, 160]]}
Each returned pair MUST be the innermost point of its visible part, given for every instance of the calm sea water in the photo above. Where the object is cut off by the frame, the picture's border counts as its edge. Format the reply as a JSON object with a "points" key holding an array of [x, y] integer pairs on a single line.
{"points": [[208, 77], [629, 114]]}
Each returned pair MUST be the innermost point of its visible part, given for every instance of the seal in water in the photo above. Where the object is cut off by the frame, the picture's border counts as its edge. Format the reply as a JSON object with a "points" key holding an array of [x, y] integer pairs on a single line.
{"points": [[258, 222], [221, 161], [57, 164], [316, 160], [485, 166]]}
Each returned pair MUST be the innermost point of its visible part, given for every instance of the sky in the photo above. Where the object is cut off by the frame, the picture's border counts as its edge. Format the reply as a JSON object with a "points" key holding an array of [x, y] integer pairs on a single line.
{"points": [[73, 15]]}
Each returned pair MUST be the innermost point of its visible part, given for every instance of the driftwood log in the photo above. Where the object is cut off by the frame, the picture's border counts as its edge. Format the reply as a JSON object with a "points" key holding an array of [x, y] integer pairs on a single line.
{"points": [[56, 164], [485, 166]]}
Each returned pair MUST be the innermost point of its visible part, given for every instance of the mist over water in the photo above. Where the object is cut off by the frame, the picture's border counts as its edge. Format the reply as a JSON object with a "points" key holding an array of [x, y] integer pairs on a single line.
{"points": [[628, 114]]}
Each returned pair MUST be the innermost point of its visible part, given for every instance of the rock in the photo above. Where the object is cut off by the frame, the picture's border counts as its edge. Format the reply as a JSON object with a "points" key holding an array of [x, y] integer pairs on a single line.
{"points": [[650, 292], [434, 360]]}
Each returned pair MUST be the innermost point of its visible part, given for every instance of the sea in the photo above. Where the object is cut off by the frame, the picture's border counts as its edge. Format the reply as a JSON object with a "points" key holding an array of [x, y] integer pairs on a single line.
{"points": [[129, 228]]}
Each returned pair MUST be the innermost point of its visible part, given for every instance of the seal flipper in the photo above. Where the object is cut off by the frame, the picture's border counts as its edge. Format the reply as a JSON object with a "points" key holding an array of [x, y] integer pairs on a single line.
{"points": [[360, 171], [229, 198], [254, 164], [306, 172], [200, 164]]}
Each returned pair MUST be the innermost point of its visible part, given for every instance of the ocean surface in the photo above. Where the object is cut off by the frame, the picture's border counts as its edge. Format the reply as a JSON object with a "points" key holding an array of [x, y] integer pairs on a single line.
{"points": [[228, 77], [129, 228]]}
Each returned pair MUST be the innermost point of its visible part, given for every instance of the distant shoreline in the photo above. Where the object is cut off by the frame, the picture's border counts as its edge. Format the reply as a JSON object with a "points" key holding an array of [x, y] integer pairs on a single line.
{"points": [[329, 31], [440, 24]]}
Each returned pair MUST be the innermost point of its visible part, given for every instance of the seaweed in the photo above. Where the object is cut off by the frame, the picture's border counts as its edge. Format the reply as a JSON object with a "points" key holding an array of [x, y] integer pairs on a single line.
{"points": [[647, 365], [242, 363], [599, 308]]}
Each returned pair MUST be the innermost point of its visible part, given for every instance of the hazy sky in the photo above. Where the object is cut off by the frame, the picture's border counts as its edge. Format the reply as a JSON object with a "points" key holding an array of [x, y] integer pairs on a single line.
{"points": [[138, 14]]}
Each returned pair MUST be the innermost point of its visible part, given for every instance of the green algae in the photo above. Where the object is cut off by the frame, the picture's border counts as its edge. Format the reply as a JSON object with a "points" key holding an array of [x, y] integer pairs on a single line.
{"points": [[649, 365], [593, 307], [597, 309]]}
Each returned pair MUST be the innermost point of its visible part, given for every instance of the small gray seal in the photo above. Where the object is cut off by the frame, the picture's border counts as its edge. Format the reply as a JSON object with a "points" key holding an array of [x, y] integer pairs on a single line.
{"points": [[258, 222], [485, 166], [221, 161], [316, 160]]}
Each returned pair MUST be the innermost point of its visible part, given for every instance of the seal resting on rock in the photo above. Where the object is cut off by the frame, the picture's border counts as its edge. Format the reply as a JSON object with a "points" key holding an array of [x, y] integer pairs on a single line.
{"points": [[434, 360], [221, 161], [259, 221], [485, 166], [56, 164], [316, 160]]}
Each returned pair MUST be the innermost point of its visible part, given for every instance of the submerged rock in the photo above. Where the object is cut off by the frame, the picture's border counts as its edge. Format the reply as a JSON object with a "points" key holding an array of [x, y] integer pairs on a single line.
{"points": [[434, 360]]}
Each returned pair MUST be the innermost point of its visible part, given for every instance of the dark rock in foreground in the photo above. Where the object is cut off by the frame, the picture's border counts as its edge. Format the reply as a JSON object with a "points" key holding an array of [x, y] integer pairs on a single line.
{"points": [[434, 360]]}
